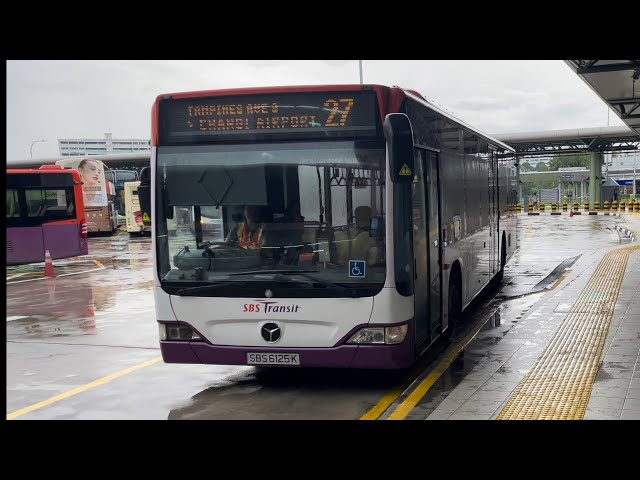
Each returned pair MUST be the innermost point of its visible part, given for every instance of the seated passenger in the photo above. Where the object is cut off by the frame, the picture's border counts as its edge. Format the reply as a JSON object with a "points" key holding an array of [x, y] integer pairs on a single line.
{"points": [[250, 232]]}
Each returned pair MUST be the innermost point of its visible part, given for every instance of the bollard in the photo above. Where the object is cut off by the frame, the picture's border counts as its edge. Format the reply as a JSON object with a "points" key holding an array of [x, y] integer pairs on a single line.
{"points": [[629, 205], [606, 207], [614, 206], [554, 209], [542, 207], [622, 205], [519, 208], [531, 212], [576, 208], [637, 207], [586, 206], [596, 205], [565, 205]]}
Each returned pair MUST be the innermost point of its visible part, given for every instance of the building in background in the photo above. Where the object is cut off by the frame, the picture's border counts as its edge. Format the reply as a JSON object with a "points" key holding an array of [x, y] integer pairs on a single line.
{"points": [[75, 147]]}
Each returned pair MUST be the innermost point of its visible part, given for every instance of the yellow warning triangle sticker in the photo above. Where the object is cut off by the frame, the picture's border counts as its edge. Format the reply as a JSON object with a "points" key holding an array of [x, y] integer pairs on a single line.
{"points": [[405, 170], [145, 218]]}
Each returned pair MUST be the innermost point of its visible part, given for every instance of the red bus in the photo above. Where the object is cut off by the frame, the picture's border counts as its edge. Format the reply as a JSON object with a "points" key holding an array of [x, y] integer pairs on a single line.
{"points": [[45, 211]]}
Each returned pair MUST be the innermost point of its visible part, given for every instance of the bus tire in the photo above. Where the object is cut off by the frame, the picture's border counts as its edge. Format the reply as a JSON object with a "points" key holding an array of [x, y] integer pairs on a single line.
{"points": [[455, 303]]}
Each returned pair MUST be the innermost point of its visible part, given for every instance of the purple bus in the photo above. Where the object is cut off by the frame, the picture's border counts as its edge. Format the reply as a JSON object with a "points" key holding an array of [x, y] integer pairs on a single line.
{"points": [[45, 211]]}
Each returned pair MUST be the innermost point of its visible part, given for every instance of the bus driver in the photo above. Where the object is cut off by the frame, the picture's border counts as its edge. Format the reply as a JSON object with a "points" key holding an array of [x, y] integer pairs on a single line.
{"points": [[250, 232]]}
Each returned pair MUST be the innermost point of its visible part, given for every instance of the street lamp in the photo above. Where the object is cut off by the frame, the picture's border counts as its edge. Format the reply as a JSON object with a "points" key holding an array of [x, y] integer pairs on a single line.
{"points": [[360, 62], [32, 144]]}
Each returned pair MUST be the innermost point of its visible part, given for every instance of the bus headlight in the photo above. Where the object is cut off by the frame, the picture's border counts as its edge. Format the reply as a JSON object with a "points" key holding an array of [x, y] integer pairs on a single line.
{"points": [[368, 335], [379, 335], [175, 331], [395, 334]]}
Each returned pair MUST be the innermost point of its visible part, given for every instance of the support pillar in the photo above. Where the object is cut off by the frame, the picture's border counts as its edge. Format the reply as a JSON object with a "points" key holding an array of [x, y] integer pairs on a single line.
{"points": [[520, 199], [595, 179], [560, 193]]}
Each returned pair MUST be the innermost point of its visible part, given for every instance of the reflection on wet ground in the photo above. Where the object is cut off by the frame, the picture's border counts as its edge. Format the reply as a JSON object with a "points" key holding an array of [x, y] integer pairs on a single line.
{"points": [[496, 319], [290, 394], [88, 301], [114, 308]]}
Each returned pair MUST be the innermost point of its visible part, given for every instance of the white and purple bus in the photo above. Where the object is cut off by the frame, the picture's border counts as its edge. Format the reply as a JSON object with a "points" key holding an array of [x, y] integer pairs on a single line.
{"points": [[373, 220], [45, 211]]}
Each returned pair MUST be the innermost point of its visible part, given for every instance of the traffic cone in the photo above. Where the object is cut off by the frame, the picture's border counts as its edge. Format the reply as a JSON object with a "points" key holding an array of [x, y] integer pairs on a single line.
{"points": [[48, 266]]}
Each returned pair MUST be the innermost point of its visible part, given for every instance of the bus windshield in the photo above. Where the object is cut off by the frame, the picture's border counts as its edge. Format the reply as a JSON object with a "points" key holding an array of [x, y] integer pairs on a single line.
{"points": [[259, 213]]}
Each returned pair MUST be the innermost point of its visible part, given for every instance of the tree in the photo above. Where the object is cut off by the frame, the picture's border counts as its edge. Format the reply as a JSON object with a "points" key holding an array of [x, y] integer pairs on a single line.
{"points": [[566, 161], [542, 167], [526, 167]]}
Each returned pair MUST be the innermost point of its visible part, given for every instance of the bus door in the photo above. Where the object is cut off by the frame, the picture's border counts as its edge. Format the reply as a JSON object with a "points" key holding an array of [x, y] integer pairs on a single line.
{"points": [[493, 218], [426, 247], [435, 242]]}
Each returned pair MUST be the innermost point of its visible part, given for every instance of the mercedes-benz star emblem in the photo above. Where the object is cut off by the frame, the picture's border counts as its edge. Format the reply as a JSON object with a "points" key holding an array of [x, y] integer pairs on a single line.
{"points": [[268, 293], [271, 332]]}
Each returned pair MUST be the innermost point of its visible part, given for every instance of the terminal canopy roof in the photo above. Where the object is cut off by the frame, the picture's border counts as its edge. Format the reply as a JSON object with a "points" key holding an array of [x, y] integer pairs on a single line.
{"points": [[617, 82]]}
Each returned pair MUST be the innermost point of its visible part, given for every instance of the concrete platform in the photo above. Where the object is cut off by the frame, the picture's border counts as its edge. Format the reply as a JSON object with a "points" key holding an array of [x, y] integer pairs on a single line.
{"points": [[530, 373]]}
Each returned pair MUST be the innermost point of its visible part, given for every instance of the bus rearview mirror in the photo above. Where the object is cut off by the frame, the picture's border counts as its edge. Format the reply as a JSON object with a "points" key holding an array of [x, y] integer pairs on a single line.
{"points": [[400, 146]]}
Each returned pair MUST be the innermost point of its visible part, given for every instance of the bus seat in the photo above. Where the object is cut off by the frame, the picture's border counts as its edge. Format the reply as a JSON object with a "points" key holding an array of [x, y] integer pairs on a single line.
{"points": [[361, 239], [342, 245], [309, 235], [361, 245], [362, 221]]}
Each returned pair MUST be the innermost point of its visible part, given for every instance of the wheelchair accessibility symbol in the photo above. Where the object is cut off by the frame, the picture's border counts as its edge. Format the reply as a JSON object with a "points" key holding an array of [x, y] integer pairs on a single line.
{"points": [[356, 268]]}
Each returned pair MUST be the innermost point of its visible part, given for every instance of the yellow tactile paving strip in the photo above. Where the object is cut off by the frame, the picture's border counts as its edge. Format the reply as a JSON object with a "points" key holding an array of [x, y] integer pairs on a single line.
{"points": [[558, 386]]}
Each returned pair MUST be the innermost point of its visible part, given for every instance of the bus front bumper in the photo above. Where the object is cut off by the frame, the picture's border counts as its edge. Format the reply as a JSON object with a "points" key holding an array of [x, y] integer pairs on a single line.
{"points": [[343, 356]]}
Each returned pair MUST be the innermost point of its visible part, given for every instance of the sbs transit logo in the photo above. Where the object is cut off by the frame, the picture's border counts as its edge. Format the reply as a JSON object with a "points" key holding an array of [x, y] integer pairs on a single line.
{"points": [[269, 307]]}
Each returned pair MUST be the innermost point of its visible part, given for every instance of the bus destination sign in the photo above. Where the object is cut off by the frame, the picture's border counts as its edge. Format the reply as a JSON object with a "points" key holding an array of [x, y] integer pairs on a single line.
{"points": [[311, 113]]}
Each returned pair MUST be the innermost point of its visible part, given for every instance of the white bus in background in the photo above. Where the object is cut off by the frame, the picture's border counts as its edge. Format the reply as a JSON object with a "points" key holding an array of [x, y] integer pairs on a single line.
{"points": [[133, 213]]}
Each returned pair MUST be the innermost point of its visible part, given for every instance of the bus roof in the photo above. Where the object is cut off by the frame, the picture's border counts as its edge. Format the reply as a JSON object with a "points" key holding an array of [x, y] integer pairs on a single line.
{"points": [[49, 169], [420, 99]]}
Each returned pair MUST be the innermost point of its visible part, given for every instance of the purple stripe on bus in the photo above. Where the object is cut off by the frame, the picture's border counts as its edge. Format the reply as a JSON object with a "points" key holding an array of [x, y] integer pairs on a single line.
{"points": [[63, 241], [343, 356], [24, 245], [28, 244]]}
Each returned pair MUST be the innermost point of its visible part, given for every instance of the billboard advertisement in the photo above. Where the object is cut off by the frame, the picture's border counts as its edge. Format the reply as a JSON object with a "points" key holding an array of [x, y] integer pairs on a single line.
{"points": [[93, 181]]}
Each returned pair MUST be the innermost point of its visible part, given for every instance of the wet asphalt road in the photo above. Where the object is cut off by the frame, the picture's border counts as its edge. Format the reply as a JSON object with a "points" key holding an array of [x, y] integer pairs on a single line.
{"points": [[64, 334]]}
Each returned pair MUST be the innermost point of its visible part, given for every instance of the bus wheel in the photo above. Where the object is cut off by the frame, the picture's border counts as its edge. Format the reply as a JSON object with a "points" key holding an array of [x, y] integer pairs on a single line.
{"points": [[455, 305]]}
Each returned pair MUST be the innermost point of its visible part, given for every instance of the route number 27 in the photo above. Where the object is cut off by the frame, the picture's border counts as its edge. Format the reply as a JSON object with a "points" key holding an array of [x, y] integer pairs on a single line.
{"points": [[334, 105]]}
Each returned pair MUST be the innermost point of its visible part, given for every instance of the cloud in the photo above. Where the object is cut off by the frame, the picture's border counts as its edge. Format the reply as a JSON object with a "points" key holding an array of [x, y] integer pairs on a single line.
{"points": [[86, 98]]}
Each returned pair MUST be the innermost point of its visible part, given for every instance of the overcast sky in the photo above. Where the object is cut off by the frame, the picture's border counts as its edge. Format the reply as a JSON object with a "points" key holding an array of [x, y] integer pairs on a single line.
{"points": [[87, 98]]}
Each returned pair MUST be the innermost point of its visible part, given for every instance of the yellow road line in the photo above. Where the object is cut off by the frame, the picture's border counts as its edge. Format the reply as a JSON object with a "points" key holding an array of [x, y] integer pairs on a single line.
{"points": [[81, 389], [58, 276], [99, 264], [559, 385], [421, 390], [405, 407], [382, 405], [18, 275]]}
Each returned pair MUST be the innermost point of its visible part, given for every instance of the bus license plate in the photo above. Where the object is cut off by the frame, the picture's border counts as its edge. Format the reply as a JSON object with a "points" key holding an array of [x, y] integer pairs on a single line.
{"points": [[273, 358]]}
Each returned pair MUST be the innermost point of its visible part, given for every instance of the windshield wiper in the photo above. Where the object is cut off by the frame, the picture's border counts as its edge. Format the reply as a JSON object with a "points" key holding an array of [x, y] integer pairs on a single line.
{"points": [[302, 273], [205, 288]]}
